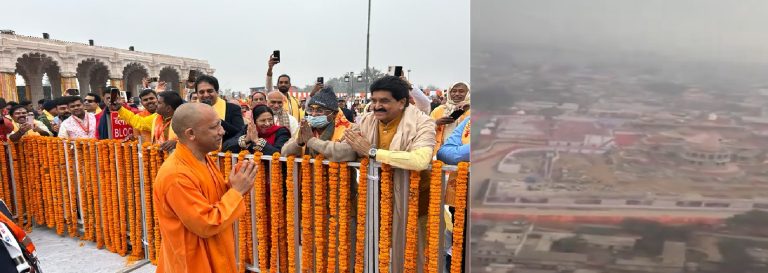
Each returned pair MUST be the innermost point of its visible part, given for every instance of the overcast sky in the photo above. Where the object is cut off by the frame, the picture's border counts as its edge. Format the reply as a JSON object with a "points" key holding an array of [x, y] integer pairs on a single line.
{"points": [[701, 29], [316, 38]]}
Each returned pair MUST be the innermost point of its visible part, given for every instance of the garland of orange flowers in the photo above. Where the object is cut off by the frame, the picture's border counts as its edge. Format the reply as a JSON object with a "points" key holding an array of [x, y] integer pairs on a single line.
{"points": [[31, 147], [149, 154], [128, 201], [433, 217], [283, 246], [31, 180], [6, 187], [227, 168], [53, 218], [290, 204], [31, 172], [307, 236], [344, 217], [462, 178], [110, 155], [18, 171], [276, 191], [47, 174], [83, 177], [262, 217], [411, 230], [58, 188], [72, 187], [362, 198], [158, 162], [249, 209], [385, 225], [122, 184], [243, 229], [137, 250], [320, 215], [333, 183], [4, 175], [27, 162], [21, 166], [117, 240], [97, 192], [110, 195], [129, 193]]}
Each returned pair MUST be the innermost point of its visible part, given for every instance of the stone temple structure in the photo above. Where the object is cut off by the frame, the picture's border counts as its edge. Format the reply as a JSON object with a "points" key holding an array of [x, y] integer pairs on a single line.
{"points": [[93, 67]]}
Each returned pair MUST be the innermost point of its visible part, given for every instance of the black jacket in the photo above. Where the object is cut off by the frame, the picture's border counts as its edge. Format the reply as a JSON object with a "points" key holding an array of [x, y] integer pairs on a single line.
{"points": [[281, 137], [233, 122]]}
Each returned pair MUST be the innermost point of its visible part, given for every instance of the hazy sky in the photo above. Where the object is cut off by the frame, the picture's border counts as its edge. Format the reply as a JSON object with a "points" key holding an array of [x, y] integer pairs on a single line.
{"points": [[702, 29], [316, 38]]}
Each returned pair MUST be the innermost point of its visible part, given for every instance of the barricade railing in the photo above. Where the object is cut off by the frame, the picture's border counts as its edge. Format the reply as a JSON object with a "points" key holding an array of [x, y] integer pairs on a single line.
{"points": [[319, 214]]}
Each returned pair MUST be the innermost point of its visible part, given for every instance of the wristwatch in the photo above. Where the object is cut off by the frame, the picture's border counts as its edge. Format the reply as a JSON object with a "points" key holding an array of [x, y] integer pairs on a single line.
{"points": [[372, 153]]}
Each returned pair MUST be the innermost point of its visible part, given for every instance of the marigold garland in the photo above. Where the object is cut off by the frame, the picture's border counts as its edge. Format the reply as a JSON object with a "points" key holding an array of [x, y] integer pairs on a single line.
{"points": [[127, 196], [72, 188], [243, 229], [344, 217], [227, 166], [97, 193], [83, 177], [4, 175], [148, 154], [276, 190], [93, 193], [281, 220], [333, 185], [121, 190], [136, 236], [307, 231], [320, 215], [58, 188], [362, 198], [262, 216], [21, 183], [411, 227], [26, 176], [290, 204], [385, 225], [110, 193], [48, 185], [158, 162], [18, 166], [433, 218], [459, 217]]}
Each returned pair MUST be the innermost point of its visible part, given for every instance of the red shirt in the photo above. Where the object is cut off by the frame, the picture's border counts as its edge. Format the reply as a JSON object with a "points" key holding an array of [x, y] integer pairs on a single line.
{"points": [[6, 127]]}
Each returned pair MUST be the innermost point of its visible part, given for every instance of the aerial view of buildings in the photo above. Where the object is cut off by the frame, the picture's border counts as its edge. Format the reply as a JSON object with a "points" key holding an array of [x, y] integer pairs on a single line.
{"points": [[581, 146]]}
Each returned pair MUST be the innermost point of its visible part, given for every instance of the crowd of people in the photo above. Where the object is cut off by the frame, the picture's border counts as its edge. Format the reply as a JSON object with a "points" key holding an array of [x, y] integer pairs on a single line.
{"points": [[398, 125]]}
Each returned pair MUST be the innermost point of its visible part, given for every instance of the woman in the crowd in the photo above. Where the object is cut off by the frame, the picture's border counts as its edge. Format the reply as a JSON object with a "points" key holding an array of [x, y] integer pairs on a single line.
{"points": [[260, 135], [458, 100]]}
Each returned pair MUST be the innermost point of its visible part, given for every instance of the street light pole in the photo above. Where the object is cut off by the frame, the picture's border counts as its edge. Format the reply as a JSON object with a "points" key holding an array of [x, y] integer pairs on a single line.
{"points": [[367, 49]]}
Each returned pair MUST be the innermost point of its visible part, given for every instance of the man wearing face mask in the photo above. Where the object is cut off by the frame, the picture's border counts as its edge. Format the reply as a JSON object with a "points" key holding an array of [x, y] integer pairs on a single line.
{"points": [[321, 130], [207, 88]]}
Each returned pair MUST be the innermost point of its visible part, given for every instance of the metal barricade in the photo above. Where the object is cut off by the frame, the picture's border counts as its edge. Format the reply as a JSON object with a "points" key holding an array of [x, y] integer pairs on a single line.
{"points": [[372, 215]]}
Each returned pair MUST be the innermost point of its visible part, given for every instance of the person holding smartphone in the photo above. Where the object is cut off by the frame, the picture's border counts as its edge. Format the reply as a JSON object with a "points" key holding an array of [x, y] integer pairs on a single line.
{"points": [[454, 111], [292, 105], [25, 124]]}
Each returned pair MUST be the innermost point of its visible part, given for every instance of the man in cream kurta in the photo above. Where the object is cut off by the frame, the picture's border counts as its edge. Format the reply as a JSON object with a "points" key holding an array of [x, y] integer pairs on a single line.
{"points": [[196, 207], [402, 136]]}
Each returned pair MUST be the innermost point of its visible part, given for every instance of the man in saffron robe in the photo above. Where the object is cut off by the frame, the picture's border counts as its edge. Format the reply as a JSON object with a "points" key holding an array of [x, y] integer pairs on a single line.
{"points": [[196, 207]]}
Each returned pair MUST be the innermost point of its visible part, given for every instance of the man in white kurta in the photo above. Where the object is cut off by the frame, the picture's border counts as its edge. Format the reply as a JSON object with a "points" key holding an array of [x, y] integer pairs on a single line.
{"points": [[81, 124]]}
